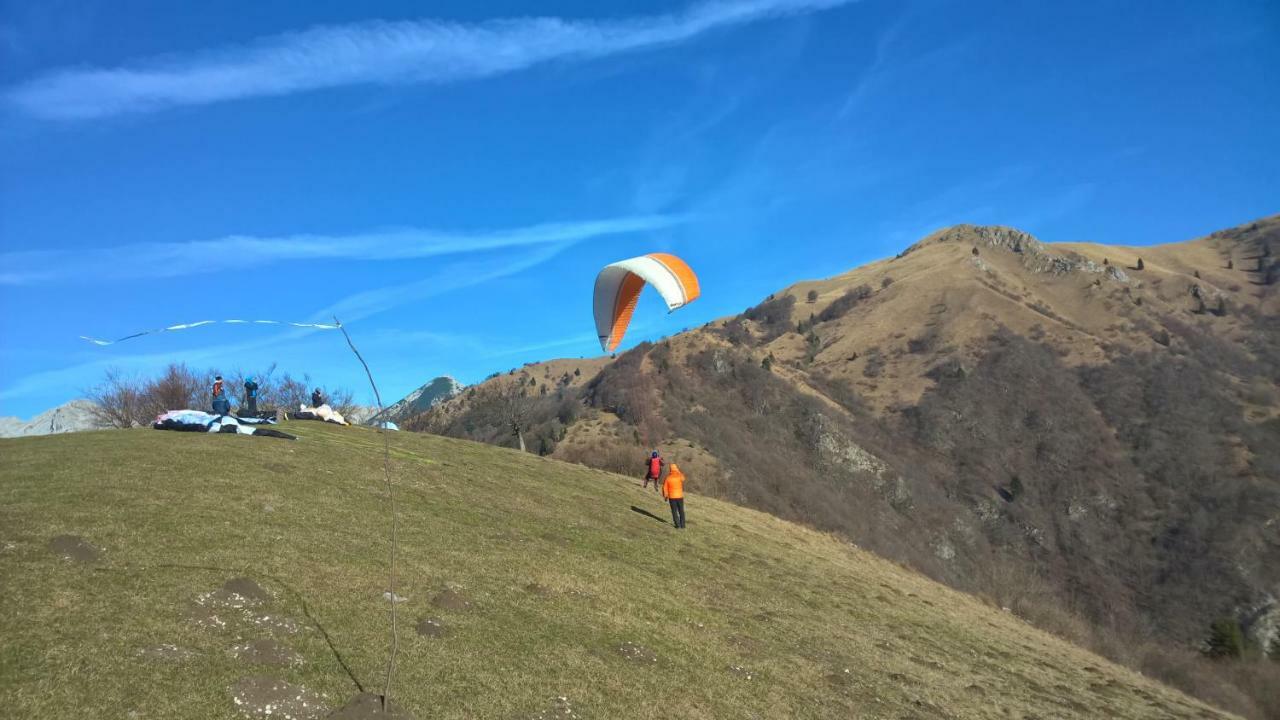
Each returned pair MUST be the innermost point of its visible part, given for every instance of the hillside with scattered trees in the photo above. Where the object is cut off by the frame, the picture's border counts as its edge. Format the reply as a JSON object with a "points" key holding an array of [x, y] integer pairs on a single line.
{"points": [[1086, 435]]}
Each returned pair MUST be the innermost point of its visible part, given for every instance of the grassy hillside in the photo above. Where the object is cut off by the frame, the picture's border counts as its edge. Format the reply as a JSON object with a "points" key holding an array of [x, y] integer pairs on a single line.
{"points": [[1087, 434], [550, 595]]}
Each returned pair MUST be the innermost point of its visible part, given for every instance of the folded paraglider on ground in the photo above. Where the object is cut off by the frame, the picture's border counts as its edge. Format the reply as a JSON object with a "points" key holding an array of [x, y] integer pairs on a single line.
{"points": [[198, 421], [324, 413]]}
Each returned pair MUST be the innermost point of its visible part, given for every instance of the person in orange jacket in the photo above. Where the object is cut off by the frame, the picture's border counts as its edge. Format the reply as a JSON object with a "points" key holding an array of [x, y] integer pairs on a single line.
{"points": [[673, 492]]}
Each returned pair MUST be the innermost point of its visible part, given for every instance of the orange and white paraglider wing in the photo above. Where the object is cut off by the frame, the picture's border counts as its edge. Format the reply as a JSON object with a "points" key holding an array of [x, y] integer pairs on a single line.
{"points": [[618, 289]]}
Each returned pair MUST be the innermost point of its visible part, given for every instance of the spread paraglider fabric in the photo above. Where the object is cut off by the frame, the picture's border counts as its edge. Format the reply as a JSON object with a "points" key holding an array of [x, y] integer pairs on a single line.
{"points": [[198, 421], [618, 289]]}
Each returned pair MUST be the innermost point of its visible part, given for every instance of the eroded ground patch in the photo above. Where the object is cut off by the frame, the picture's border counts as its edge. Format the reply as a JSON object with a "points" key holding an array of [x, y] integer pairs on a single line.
{"points": [[263, 696], [74, 548]]}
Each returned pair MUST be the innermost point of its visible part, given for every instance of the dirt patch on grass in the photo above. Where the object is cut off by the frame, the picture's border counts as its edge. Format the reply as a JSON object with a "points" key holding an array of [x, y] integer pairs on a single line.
{"points": [[166, 652], [638, 653], [275, 624], [235, 594], [209, 618], [743, 672], [541, 591], [432, 628], [217, 616], [369, 705], [262, 696], [246, 588], [839, 678], [74, 548], [266, 652], [239, 602], [450, 599]]}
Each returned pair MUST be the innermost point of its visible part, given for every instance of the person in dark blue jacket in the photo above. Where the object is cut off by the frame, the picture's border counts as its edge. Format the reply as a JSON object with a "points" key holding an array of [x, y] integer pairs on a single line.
{"points": [[251, 396]]}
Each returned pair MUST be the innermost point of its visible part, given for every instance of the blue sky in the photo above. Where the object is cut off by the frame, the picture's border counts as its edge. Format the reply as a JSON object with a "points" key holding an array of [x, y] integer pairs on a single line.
{"points": [[449, 183]]}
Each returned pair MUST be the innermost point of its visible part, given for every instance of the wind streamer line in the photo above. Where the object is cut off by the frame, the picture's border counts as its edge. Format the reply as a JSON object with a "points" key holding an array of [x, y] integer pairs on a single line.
{"points": [[187, 326], [391, 500]]}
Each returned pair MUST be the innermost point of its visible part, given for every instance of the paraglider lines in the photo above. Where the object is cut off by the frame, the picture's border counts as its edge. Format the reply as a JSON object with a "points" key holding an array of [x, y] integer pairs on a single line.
{"points": [[391, 500], [386, 459]]}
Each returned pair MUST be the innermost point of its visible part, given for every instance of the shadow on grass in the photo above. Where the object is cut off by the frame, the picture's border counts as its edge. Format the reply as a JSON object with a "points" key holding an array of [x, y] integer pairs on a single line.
{"points": [[646, 513]]}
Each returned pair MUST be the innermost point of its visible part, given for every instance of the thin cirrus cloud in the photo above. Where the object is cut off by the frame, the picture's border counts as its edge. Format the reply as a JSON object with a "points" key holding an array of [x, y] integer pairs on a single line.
{"points": [[159, 260], [351, 309], [375, 52], [457, 276]]}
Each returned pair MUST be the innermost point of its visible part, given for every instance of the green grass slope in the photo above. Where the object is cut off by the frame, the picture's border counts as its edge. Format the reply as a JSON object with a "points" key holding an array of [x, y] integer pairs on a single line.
{"points": [[557, 599]]}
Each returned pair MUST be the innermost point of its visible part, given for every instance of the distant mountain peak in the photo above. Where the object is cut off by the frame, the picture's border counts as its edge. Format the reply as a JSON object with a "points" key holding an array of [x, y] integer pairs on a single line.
{"points": [[73, 416], [991, 236], [1036, 256], [430, 394]]}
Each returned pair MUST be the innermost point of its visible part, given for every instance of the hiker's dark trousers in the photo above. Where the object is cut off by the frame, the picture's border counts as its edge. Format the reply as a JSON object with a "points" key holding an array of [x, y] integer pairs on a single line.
{"points": [[677, 512]]}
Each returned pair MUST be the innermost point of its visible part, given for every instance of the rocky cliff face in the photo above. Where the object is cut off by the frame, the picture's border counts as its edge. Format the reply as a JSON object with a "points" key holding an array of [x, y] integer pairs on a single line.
{"points": [[1035, 255], [74, 416]]}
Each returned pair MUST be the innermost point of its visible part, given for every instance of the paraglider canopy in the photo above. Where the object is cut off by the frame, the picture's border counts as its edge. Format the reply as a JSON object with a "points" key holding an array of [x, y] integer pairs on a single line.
{"points": [[618, 289]]}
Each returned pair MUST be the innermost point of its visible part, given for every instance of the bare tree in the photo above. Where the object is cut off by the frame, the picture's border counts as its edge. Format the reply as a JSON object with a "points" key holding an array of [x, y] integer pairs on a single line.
{"points": [[177, 388], [340, 399], [286, 392], [124, 401], [118, 401], [508, 405]]}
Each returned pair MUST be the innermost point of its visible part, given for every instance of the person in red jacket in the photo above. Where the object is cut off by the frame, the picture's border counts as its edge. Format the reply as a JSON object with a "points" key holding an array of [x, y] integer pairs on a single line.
{"points": [[221, 405], [653, 471], [673, 492]]}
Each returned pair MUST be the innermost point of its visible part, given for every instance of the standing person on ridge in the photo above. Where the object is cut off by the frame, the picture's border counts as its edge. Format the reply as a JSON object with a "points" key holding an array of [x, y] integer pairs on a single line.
{"points": [[221, 406], [251, 396], [317, 398], [653, 471], [673, 492]]}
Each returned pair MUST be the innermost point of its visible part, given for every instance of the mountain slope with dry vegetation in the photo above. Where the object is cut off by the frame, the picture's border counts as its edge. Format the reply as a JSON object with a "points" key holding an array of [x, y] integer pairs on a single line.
{"points": [[1087, 434]]}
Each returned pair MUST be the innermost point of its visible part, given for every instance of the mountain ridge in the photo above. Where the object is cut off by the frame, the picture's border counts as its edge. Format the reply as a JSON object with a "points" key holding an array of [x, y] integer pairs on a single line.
{"points": [[1058, 426]]}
